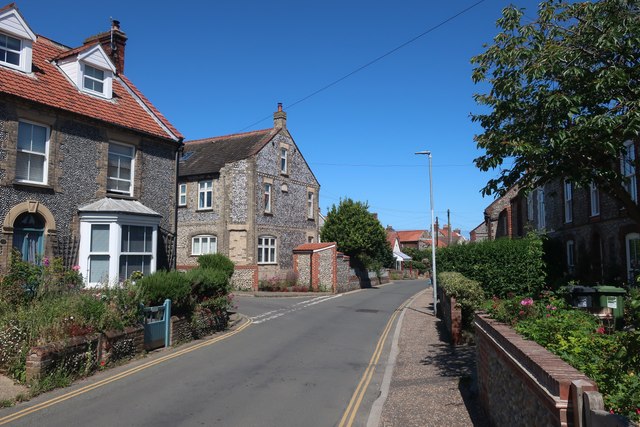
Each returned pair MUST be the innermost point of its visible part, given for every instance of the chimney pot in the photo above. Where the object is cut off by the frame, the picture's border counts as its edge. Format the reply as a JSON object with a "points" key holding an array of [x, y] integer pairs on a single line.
{"points": [[280, 118]]}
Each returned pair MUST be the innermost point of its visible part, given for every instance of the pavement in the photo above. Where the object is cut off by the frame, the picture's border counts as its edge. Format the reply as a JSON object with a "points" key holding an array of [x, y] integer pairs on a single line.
{"points": [[427, 382]]}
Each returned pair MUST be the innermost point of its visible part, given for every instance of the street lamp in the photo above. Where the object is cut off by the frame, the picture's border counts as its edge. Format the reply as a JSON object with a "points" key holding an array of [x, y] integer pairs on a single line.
{"points": [[433, 238]]}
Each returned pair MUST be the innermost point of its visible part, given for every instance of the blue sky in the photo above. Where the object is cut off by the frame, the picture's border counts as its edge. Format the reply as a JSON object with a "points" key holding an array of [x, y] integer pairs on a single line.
{"points": [[220, 67]]}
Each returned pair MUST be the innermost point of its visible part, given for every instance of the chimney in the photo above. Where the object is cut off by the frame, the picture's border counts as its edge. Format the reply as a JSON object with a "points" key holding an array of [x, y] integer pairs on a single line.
{"points": [[280, 118], [113, 42]]}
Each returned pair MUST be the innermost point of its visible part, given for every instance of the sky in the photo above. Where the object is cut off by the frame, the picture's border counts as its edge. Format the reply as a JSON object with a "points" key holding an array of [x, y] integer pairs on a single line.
{"points": [[219, 67]]}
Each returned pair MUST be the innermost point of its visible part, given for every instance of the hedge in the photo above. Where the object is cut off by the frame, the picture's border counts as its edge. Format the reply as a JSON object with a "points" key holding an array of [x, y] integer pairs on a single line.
{"points": [[502, 266], [467, 292]]}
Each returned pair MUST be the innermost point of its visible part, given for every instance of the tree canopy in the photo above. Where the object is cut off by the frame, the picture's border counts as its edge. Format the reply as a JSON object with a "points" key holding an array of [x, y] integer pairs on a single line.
{"points": [[564, 97], [358, 233]]}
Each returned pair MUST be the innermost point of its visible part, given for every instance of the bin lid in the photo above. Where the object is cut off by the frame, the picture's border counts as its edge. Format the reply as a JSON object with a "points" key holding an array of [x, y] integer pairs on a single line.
{"points": [[581, 290], [610, 290]]}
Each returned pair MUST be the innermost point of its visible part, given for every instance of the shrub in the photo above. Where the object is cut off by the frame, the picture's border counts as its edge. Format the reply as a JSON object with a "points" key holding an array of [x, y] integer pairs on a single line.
{"points": [[467, 292], [174, 285], [217, 262], [208, 283], [501, 266]]}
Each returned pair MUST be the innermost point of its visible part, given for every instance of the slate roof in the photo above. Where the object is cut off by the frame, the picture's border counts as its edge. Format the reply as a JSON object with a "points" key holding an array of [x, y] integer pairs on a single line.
{"points": [[211, 154], [48, 85], [108, 204]]}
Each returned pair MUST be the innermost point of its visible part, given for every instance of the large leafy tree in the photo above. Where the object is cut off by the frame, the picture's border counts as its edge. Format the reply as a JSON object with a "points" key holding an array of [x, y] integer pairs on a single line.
{"points": [[564, 97], [358, 233]]}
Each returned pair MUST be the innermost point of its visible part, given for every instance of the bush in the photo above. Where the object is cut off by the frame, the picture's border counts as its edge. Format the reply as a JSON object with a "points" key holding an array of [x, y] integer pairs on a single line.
{"points": [[217, 262], [467, 292], [161, 285], [208, 283], [501, 266]]}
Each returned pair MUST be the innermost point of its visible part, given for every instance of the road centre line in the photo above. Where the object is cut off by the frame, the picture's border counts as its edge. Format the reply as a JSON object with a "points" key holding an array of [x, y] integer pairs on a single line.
{"points": [[296, 307], [124, 374]]}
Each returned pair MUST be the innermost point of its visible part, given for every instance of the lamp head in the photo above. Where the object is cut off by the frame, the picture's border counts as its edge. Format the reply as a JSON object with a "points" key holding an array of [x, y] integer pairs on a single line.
{"points": [[428, 153]]}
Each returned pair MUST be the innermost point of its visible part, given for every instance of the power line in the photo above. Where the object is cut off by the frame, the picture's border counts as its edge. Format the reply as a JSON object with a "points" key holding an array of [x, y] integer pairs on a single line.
{"points": [[364, 165], [368, 64]]}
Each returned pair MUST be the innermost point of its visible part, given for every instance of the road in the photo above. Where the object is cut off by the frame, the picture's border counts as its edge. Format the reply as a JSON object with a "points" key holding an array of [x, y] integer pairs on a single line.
{"points": [[297, 364]]}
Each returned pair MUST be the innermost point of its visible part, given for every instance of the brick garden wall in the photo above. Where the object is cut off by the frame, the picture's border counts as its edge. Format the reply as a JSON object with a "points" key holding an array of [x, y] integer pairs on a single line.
{"points": [[521, 383], [450, 315]]}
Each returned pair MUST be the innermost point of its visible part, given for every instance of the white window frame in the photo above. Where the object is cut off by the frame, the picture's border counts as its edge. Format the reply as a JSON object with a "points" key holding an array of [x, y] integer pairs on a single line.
{"points": [[310, 205], [120, 157], [182, 195], [541, 208], [205, 195], [284, 160], [628, 169], [94, 80], [594, 199], [116, 222], [5, 50], [267, 250], [571, 256], [633, 263], [30, 153], [147, 252], [267, 197], [199, 242], [568, 201]]}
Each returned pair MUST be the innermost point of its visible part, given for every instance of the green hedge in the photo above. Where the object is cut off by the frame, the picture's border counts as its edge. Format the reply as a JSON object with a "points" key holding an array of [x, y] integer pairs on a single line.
{"points": [[217, 262], [174, 285], [502, 266], [467, 293]]}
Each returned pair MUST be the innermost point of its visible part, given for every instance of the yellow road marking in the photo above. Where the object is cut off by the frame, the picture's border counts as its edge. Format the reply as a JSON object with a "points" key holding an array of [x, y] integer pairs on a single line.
{"points": [[358, 394], [128, 372]]}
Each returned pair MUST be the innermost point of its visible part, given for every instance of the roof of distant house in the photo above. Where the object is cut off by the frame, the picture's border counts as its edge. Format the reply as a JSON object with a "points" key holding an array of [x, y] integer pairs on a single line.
{"points": [[313, 247], [410, 235], [211, 154], [47, 85]]}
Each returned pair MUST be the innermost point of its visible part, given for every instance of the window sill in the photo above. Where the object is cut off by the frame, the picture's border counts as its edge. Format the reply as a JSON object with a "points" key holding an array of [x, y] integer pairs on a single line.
{"points": [[311, 219], [120, 196], [285, 174], [204, 210], [33, 185], [268, 213], [267, 263], [182, 206]]}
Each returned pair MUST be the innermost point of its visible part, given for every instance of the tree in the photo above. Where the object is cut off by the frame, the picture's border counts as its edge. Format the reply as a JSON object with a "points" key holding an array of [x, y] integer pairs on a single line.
{"points": [[358, 233], [564, 98]]}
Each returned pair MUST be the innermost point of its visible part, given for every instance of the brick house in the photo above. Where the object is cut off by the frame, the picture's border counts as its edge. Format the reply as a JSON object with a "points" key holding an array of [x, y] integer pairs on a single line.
{"points": [[87, 163], [591, 236], [250, 196], [417, 239]]}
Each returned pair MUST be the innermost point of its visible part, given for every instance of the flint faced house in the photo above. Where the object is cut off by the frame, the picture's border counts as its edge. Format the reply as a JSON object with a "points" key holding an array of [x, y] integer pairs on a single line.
{"points": [[250, 196], [87, 164]]}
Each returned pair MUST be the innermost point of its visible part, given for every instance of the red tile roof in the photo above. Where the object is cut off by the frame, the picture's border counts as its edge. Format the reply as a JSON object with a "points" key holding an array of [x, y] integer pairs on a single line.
{"points": [[49, 86], [410, 235], [314, 246]]}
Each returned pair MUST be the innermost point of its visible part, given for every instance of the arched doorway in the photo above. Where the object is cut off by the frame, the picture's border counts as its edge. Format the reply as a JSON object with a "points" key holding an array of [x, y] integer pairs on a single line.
{"points": [[28, 236]]}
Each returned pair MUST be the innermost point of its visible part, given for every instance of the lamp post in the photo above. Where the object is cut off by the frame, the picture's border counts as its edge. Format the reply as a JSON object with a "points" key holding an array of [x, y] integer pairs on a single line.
{"points": [[433, 237]]}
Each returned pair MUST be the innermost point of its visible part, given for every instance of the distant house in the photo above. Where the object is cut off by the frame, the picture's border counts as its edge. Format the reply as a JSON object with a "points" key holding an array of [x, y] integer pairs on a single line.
{"points": [[399, 256], [479, 233], [87, 163], [417, 239], [250, 196]]}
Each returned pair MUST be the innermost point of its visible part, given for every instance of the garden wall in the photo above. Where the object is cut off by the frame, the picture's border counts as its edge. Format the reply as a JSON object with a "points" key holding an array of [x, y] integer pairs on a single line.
{"points": [[521, 383], [451, 315], [245, 278]]}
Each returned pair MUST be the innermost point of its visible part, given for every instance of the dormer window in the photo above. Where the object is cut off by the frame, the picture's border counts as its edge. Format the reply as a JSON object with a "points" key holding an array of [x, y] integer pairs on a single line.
{"points": [[93, 79], [10, 50]]}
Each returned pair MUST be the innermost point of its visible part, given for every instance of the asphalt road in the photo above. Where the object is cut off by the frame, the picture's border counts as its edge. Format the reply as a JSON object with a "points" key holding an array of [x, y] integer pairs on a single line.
{"points": [[297, 364]]}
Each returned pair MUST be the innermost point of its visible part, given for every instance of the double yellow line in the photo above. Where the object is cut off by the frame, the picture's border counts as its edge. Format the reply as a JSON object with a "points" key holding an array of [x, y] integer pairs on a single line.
{"points": [[358, 395], [128, 372]]}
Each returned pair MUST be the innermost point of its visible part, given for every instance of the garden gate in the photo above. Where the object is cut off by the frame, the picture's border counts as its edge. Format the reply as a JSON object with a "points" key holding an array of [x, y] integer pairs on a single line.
{"points": [[157, 324]]}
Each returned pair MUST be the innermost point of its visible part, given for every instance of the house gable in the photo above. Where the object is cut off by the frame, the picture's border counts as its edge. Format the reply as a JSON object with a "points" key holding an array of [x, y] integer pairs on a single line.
{"points": [[19, 39]]}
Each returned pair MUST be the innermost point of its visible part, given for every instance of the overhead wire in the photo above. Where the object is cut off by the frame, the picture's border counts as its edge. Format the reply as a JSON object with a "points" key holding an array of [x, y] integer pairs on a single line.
{"points": [[368, 64]]}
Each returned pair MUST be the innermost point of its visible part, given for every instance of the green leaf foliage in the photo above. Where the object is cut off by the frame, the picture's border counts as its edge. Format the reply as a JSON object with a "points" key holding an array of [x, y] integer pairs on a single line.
{"points": [[161, 285], [501, 266], [217, 262], [467, 292], [563, 98], [208, 283], [358, 233]]}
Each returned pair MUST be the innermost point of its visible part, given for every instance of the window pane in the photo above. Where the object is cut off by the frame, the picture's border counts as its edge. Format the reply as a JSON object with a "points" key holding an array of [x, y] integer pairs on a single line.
{"points": [[98, 87], [13, 44], [100, 238], [196, 246], [13, 58], [124, 186], [131, 263], [24, 136], [260, 250], [272, 255], [136, 239], [22, 166], [36, 164], [98, 268], [39, 139], [121, 149]]}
